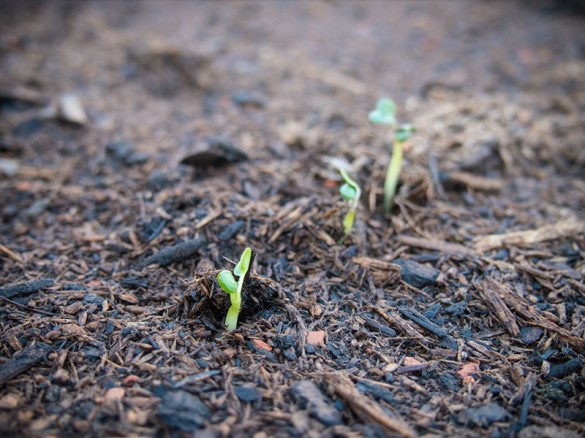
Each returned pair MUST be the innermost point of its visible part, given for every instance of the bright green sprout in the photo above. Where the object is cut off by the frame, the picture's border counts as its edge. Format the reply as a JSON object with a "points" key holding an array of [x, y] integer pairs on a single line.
{"points": [[350, 192], [385, 114], [228, 283]]}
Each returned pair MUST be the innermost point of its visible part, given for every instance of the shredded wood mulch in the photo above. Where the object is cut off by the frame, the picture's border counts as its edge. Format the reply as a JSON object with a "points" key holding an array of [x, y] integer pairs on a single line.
{"points": [[144, 145]]}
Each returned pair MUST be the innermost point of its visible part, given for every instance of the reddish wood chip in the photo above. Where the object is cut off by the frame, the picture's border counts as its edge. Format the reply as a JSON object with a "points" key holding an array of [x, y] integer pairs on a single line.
{"points": [[467, 370], [316, 338], [261, 345], [131, 380], [115, 394]]}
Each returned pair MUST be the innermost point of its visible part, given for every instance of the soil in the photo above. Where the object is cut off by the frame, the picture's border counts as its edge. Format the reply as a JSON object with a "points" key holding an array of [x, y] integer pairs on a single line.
{"points": [[145, 145]]}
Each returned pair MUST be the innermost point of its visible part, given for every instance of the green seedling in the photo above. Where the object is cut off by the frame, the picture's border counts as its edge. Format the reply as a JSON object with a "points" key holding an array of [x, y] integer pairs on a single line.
{"points": [[234, 288], [350, 192], [385, 114]]}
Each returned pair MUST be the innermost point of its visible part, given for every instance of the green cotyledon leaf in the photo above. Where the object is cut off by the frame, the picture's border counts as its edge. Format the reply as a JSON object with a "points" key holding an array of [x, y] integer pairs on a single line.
{"points": [[384, 113], [347, 192], [244, 264], [227, 282]]}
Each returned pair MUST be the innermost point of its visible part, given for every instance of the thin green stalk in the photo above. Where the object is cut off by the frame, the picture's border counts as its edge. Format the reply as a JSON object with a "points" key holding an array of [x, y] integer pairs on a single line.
{"points": [[392, 174], [231, 319]]}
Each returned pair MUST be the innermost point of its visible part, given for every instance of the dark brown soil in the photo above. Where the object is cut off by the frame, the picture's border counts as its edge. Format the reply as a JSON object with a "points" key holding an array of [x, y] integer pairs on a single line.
{"points": [[461, 313]]}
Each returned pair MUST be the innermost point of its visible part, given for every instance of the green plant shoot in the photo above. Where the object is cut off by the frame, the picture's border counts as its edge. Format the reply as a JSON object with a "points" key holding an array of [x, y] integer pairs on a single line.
{"points": [[350, 192], [385, 114], [234, 288]]}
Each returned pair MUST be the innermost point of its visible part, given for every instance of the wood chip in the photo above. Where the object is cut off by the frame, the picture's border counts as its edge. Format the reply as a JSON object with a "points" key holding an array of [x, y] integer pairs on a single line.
{"points": [[402, 325], [567, 228], [261, 345], [476, 182], [437, 245], [366, 409], [136, 310], [522, 307], [489, 292]]}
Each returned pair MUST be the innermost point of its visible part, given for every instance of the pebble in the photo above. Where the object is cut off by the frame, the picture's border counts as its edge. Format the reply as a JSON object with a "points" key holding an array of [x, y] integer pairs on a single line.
{"points": [[216, 152], [71, 110], [248, 394], [93, 299], [484, 416], [530, 335], [9, 167], [182, 410], [119, 150]]}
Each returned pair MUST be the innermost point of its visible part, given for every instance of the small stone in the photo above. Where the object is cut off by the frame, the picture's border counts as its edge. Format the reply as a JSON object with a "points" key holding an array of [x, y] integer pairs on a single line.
{"points": [[216, 152], [484, 415], [9, 167], [119, 150], [93, 299], [182, 410], [9, 401], [115, 394], [290, 354], [261, 345], [530, 335], [71, 110], [248, 394], [158, 180], [316, 338]]}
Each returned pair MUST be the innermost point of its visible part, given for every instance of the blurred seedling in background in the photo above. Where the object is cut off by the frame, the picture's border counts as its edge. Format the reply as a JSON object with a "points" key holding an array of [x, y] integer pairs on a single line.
{"points": [[385, 114], [234, 288], [350, 192]]}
